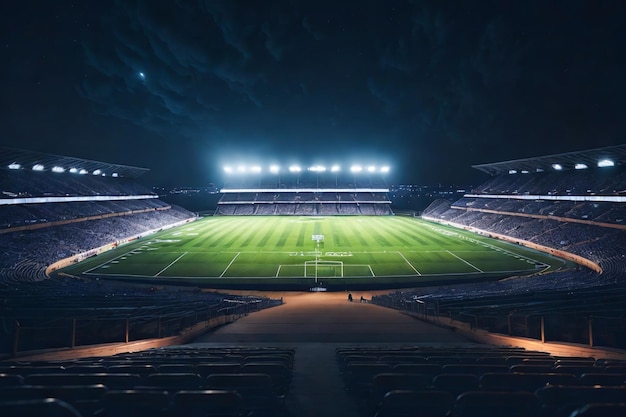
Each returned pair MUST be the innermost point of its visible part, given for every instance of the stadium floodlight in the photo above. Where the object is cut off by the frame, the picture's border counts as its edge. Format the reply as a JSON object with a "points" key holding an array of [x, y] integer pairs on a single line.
{"points": [[83, 172], [295, 168], [58, 169], [580, 166], [14, 165], [97, 172], [38, 167], [274, 169], [114, 175], [512, 171], [228, 169], [371, 168], [255, 169], [241, 168], [74, 170], [356, 168], [335, 168], [525, 171], [384, 169], [605, 163], [317, 168], [557, 167]]}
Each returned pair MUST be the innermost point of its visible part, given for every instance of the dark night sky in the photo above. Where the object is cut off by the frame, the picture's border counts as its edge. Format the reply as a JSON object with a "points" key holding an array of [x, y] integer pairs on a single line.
{"points": [[427, 86]]}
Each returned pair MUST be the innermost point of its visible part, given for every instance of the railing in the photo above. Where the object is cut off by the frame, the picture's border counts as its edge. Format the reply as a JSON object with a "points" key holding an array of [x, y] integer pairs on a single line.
{"points": [[590, 330], [84, 331]]}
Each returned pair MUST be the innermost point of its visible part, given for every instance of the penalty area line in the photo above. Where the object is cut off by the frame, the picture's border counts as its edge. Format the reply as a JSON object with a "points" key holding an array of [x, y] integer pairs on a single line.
{"points": [[464, 261], [171, 263], [408, 263], [231, 262]]}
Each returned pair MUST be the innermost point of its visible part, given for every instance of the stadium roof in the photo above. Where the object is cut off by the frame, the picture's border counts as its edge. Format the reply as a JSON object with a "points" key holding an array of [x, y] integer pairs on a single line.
{"points": [[28, 159], [569, 160]]}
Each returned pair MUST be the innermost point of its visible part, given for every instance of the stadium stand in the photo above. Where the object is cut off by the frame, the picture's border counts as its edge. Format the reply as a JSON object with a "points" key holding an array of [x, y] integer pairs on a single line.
{"points": [[575, 213], [48, 216], [305, 194], [578, 306]]}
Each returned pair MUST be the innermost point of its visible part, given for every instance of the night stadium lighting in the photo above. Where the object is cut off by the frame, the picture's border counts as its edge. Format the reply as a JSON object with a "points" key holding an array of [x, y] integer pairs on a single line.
{"points": [[74, 170], [605, 163], [356, 168], [274, 169], [580, 166], [83, 172], [38, 167], [97, 172], [115, 175], [371, 168], [557, 167], [241, 168], [14, 166], [512, 171], [525, 171], [317, 168], [384, 169], [255, 169], [295, 168], [228, 169], [58, 169], [335, 168]]}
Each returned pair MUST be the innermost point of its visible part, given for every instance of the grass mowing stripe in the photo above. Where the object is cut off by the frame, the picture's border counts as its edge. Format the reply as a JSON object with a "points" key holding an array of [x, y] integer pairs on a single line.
{"points": [[242, 234], [269, 231], [408, 228], [223, 229], [378, 237], [282, 239], [301, 234], [357, 233], [393, 233]]}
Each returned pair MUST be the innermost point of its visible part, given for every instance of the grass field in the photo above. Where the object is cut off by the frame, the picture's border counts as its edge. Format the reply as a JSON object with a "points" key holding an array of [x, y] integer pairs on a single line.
{"points": [[280, 252]]}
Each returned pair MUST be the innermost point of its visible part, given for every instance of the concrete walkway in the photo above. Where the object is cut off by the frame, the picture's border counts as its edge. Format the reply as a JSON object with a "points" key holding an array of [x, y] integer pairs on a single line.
{"points": [[316, 324]]}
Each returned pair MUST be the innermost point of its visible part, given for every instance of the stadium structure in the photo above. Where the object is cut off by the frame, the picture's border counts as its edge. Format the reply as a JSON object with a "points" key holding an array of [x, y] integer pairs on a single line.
{"points": [[528, 269], [305, 191]]}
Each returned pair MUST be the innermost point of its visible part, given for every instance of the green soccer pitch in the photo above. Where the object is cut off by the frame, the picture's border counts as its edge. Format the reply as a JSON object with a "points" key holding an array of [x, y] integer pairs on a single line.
{"points": [[282, 252]]}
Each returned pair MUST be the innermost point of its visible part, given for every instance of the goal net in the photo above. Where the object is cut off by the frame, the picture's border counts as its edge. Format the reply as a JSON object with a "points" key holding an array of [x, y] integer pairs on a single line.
{"points": [[326, 269]]}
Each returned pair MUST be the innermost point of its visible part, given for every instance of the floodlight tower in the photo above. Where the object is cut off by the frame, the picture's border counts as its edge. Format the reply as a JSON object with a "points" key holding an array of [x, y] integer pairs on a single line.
{"points": [[335, 169], [275, 169]]}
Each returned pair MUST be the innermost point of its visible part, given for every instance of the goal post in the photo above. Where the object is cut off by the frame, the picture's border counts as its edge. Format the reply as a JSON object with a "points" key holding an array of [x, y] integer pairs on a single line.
{"points": [[325, 269]]}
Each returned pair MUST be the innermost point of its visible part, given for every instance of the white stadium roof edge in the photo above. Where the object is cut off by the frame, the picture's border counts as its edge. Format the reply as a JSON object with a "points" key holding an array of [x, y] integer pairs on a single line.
{"points": [[611, 155], [28, 159]]}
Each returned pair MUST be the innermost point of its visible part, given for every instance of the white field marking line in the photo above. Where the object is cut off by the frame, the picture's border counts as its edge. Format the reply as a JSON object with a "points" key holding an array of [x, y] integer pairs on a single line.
{"points": [[171, 263], [408, 263], [371, 271], [109, 261], [464, 261], [297, 276], [278, 271], [492, 247], [231, 262]]}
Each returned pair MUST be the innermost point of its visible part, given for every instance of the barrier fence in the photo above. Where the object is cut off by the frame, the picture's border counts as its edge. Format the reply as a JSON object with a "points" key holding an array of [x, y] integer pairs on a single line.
{"points": [[45, 333], [590, 330]]}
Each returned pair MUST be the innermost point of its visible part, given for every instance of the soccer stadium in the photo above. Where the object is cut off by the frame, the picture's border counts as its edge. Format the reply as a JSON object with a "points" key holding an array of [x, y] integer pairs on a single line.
{"points": [[304, 293]]}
